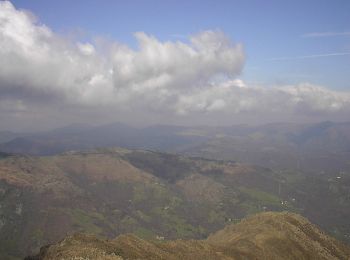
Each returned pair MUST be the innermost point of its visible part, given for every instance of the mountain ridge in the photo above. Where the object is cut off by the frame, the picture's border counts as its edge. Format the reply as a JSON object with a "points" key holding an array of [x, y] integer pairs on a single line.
{"points": [[114, 191], [268, 235], [315, 147]]}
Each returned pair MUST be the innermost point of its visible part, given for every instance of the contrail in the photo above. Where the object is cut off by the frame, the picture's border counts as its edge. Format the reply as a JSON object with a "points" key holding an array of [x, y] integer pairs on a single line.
{"points": [[325, 34], [311, 56]]}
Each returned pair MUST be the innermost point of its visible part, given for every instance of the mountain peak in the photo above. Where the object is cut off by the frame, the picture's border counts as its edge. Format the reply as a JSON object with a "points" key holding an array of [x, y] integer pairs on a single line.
{"points": [[267, 235], [271, 234]]}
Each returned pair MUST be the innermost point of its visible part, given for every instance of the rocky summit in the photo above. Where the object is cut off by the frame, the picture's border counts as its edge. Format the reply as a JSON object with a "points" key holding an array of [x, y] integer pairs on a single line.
{"points": [[268, 235]]}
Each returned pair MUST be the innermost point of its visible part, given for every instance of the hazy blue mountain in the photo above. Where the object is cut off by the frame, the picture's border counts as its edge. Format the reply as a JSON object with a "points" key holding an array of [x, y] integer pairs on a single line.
{"points": [[323, 146], [6, 136]]}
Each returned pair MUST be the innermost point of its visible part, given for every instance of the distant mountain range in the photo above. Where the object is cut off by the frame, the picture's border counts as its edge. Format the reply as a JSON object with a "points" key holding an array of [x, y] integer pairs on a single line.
{"points": [[6, 136], [108, 192], [319, 148], [263, 236], [322, 147], [79, 137]]}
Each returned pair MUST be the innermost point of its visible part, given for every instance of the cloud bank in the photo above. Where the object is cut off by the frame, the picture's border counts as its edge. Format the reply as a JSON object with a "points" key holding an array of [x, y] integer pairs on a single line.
{"points": [[45, 75]]}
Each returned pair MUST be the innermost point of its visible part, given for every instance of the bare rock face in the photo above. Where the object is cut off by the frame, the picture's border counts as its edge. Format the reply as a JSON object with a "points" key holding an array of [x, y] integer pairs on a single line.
{"points": [[267, 235]]}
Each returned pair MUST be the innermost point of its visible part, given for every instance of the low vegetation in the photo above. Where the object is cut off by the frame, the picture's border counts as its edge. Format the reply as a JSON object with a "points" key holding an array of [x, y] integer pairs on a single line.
{"points": [[109, 192], [263, 236]]}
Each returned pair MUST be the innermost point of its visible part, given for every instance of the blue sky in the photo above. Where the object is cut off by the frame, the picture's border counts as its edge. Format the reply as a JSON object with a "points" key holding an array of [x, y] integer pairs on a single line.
{"points": [[268, 30]]}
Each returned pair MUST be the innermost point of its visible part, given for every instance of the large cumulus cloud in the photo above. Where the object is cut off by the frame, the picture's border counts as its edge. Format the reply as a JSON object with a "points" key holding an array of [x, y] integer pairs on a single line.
{"points": [[34, 59], [41, 70]]}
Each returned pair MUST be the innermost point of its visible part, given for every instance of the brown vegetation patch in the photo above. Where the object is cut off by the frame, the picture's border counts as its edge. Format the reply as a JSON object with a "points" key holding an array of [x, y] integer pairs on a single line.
{"points": [[197, 187], [101, 167]]}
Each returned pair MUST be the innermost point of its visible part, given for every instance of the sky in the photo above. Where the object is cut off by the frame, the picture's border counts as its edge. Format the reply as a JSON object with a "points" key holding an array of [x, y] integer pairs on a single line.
{"points": [[173, 62]]}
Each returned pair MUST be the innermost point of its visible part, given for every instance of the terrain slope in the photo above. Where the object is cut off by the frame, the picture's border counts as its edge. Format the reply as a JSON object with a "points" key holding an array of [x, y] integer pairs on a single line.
{"points": [[109, 192], [263, 236]]}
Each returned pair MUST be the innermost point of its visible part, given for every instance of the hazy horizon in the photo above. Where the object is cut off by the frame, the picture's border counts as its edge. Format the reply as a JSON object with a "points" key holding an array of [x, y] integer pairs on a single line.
{"points": [[87, 125]]}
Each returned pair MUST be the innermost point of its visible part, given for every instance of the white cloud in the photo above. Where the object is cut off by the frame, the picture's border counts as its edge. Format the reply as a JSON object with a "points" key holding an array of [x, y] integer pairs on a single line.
{"points": [[233, 98], [33, 58], [317, 99], [41, 69], [86, 48]]}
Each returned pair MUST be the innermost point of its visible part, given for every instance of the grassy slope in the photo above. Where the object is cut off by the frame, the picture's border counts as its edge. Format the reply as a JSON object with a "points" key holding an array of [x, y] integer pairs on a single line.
{"points": [[111, 192]]}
